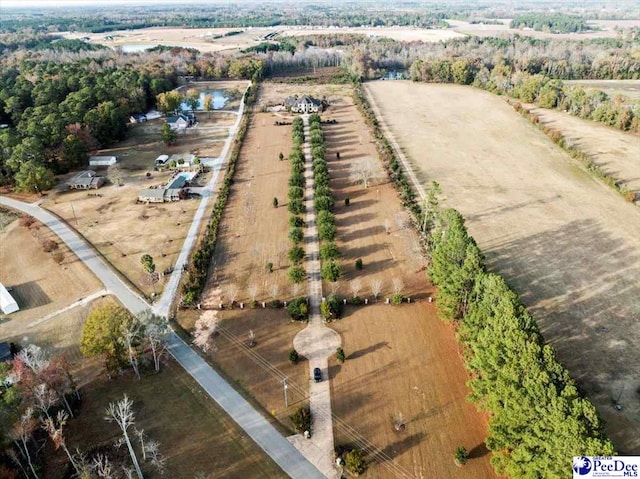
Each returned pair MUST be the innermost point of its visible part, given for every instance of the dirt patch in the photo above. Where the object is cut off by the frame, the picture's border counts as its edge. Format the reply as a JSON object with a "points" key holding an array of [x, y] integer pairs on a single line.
{"points": [[40, 285], [404, 360], [374, 227], [564, 241], [607, 29], [616, 152]]}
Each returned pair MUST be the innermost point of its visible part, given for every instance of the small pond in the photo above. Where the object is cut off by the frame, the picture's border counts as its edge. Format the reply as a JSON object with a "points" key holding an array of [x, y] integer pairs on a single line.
{"points": [[219, 97]]}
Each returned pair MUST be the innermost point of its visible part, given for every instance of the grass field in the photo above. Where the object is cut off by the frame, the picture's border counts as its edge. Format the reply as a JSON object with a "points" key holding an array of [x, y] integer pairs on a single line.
{"points": [[403, 359], [616, 152], [195, 435], [565, 242], [123, 230], [628, 88], [40, 285]]}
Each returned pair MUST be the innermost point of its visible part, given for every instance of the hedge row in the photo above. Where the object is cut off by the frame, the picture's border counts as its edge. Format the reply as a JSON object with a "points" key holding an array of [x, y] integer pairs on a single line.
{"points": [[558, 138], [538, 417], [197, 273], [323, 202], [296, 272]]}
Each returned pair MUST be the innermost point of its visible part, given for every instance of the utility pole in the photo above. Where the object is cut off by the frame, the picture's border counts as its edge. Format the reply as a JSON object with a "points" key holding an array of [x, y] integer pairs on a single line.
{"points": [[74, 212], [286, 396]]}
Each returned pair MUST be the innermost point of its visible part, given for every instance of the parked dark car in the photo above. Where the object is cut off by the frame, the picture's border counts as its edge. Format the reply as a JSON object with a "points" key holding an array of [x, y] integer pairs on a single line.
{"points": [[317, 375]]}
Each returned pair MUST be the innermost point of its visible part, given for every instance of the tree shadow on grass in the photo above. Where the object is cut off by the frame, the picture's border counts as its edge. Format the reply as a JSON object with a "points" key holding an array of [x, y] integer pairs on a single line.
{"points": [[479, 451], [369, 349], [399, 447]]}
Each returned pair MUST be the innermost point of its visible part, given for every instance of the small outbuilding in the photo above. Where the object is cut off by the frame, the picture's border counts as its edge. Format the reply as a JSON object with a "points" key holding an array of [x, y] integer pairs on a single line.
{"points": [[8, 305], [5, 352], [162, 160], [86, 180], [102, 160], [138, 118]]}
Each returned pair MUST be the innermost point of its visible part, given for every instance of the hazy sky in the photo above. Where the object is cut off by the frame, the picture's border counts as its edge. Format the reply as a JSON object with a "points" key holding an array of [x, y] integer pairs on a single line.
{"points": [[77, 3]]}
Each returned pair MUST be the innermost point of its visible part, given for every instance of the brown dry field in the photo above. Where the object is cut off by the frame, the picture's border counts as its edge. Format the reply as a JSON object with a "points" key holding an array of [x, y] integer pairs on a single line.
{"points": [[361, 225], [40, 285], [240, 260], [628, 88], [568, 244], [402, 34], [403, 359], [616, 151], [200, 38], [122, 230], [274, 333]]}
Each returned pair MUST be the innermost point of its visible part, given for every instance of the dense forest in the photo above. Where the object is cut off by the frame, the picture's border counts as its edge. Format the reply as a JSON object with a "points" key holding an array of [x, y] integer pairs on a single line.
{"points": [[550, 22]]}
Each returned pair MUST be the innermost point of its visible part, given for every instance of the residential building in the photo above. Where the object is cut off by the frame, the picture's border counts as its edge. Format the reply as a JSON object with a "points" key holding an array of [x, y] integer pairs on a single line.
{"points": [[303, 104], [86, 180], [8, 305]]}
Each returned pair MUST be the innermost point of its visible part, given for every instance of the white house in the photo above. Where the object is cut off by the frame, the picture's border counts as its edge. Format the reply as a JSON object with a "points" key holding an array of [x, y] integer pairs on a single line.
{"points": [[303, 104], [102, 160], [8, 305]]}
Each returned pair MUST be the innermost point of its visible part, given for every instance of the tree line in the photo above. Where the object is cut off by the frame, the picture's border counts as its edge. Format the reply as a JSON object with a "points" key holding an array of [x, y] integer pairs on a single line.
{"points": [[538, 416], [551, 22]]}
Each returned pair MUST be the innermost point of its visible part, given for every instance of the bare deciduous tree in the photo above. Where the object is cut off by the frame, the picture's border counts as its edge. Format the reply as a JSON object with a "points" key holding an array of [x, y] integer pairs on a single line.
{"points": [[252, 338], [274, 291], [355, 285], [254, 291], [231, 292], [376, 287], [121, 413], [399, 422], [102, 467], [131, 332], [155, 330], [364, 171], [34, 358], [387, 227], [398, 285], [21, 434], [55, 429], [205, 328], [155, 458]]}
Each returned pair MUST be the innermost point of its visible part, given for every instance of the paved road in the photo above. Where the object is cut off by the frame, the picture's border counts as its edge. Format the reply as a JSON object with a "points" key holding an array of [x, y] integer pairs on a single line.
{"points": [[84, 252], [316, 342]]}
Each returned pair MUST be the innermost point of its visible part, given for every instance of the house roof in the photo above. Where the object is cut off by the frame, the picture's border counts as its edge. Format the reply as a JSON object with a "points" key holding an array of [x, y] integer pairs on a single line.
{"points": [[101, 158], [162, 159], [187, 157], [151, 193], [177, 183], [294, 100], [176, 118], [5, 352]]}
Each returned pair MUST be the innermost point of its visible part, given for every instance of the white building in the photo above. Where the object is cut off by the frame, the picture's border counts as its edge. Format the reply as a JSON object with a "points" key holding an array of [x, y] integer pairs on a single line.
{"points": [[102, 160], [8, 305]]}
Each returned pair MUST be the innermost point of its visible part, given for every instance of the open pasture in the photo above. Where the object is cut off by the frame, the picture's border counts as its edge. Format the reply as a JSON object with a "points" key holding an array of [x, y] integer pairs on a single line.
{"points": [[628, 88], [40, 284], [403, 360], [616, 152], [568, 244]]}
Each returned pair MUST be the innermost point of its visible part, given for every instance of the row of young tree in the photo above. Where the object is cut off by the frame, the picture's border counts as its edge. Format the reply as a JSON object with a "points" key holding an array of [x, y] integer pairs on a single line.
{"points": [[538, 416], [296, 206], [196, 277]]}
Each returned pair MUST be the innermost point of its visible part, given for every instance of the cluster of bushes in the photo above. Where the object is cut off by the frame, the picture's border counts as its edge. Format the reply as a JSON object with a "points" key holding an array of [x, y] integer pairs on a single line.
{"points": [[296, 272], [559, 139], [538, 417], [197, 272], [535, 406], [323, 202]]}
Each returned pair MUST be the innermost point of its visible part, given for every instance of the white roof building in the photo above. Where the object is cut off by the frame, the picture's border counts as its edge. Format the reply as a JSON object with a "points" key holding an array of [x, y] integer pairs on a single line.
{"points": [[102, 160], [8, 305]]}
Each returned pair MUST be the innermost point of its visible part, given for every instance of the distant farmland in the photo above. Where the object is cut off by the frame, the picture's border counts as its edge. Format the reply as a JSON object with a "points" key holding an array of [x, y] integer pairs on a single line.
{"points": [[569, 245]]}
